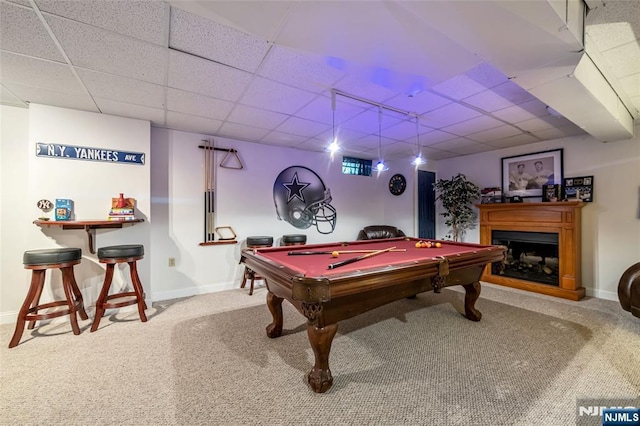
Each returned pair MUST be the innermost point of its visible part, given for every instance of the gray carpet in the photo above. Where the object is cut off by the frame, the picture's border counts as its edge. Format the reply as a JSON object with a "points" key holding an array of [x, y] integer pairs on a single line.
{"points": [[207, 360]]}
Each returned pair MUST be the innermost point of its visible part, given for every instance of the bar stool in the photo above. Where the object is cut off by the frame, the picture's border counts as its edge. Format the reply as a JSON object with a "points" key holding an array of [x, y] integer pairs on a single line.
{"points": [[293, 240], [111, 256], [39, 261], [249, 274]]}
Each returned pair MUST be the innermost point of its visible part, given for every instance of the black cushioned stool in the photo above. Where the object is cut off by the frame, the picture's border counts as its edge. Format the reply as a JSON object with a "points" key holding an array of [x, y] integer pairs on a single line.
{"points": [[111, 256], [254, 242], [39, 261], [293, 240]]}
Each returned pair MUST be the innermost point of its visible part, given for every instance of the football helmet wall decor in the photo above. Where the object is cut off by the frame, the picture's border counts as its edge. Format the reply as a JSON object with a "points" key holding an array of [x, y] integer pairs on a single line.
{"points": [[302, 200]]}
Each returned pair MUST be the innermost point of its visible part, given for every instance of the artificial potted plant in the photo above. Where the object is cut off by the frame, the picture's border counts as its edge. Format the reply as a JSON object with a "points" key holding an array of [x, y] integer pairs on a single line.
{"points": [[457, 196]]}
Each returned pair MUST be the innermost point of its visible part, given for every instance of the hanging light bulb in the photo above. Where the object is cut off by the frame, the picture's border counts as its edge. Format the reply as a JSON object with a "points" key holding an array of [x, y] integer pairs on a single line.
{"points": [[418, 160], [381, 167], [333, 146]]}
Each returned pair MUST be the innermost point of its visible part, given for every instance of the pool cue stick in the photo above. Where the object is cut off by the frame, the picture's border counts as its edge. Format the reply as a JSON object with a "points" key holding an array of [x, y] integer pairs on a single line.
{"points": [[306, 253], [359, 258]]}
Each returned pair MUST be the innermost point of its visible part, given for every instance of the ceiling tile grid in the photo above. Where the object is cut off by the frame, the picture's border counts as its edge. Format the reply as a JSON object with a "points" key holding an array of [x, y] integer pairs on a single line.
{"points": [[265, 73], [22, 32], [141, 19], [201, 37]]}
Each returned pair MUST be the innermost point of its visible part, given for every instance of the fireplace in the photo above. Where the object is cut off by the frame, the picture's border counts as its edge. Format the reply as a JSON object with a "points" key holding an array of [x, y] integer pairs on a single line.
{"points": [[531, 256], [543, 246]]}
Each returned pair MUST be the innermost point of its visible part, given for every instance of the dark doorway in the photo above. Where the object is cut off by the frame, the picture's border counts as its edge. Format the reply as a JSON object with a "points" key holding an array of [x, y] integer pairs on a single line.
{"points": [[426, 205]]}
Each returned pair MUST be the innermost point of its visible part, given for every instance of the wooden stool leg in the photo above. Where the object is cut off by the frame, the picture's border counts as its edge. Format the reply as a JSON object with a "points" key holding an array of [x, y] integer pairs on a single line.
{"points": [[137, 287], [68, 292], [36, 299], [103, 297], [37, 281], [78, 296], [253, 278]]}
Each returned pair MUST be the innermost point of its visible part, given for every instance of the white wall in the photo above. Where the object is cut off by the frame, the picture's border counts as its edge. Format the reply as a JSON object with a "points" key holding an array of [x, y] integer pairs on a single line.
{"points": [[610, 224], [91, 185], [244, 201]]}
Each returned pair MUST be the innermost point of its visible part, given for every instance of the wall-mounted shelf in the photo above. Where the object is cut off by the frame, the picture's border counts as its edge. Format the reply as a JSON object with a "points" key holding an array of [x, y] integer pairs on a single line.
{"points": [[89, 226]]}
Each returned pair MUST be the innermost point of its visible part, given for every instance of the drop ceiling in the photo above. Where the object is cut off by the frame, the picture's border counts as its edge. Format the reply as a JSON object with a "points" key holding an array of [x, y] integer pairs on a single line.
{"points": [[446, 78]]}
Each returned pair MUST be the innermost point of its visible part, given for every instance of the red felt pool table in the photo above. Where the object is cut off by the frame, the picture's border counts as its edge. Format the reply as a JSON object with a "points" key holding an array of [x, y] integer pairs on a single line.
{"points": [[325, 296]]}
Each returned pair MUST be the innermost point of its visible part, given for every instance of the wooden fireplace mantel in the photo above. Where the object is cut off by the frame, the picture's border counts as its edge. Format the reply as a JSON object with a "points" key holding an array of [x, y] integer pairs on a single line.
{"points": [[563, 218]]}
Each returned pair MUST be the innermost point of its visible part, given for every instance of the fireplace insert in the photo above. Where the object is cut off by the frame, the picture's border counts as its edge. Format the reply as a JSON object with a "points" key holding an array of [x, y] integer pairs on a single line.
{"points": [[531, 256]]}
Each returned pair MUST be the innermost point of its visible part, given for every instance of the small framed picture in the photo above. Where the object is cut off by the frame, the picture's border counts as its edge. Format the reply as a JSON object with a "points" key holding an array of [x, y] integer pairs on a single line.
{"points": [[579, 189], [550, 193]]}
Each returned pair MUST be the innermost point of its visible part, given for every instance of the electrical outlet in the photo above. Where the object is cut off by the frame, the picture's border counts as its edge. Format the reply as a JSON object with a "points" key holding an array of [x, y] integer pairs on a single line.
{"points": [[172, 262]]}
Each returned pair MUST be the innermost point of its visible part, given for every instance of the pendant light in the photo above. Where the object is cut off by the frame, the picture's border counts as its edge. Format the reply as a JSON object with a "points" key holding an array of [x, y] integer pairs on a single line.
{"points": [[381, 166], [418, 160], [333, 146]]}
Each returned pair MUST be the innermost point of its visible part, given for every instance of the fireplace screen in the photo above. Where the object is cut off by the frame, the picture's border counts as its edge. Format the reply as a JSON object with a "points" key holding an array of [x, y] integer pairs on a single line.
{"points": [[531, 256]]}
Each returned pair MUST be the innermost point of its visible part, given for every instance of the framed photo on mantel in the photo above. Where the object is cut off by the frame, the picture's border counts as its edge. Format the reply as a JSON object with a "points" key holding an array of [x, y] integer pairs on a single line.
{"points": [[551, 193], [525, 175], [579, 189]]}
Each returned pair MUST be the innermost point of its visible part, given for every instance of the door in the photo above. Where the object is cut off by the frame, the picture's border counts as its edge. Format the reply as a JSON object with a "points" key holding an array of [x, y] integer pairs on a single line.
{"points": [[426, 205]]}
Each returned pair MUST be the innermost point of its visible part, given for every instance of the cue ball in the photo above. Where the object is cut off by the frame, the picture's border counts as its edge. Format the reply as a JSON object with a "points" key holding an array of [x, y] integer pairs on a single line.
{"points": [[335, 254]]}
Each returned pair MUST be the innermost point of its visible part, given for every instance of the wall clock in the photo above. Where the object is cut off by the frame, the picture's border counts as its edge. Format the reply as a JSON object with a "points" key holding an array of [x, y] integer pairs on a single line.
{"points": [[397, 184]]}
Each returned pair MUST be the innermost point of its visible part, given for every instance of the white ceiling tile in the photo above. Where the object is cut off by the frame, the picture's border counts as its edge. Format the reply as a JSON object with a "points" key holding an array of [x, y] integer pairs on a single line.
{"points": [[199, 75], [420, 103], [474, 148], [631, 85], [101, 50], [402, 131], [459, 87], [8, 98], [521, 139], [447, 115], [319, 109], [139, 19], [318, 145], [626, 58], [256, 117], [522, 112], [363, 87], [241, 132], [123, 89], [38, 73], [191, 123], [202, 37], [502, 96], [65, 99], [21, 2], [437, 154], [434, 137], [284, 139], [473, 126], [613, 24], [22, 32], [194, 104], [302, 127], [267, 94], [486, 75], [303, 71], [368, 122], [122, 109], [493, 134], [343, 136]]}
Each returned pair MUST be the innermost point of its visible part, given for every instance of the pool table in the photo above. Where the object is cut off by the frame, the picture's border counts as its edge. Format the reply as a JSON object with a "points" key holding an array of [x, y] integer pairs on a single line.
{"points": [[326, 296]]}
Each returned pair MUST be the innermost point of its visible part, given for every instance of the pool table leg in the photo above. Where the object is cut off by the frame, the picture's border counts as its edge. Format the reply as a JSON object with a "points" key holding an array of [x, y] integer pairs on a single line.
{"points": [[472, 292], [319, 377], [275, 306]]}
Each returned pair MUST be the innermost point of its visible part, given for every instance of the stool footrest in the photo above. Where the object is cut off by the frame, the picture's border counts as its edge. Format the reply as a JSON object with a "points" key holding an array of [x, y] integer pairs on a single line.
{"points": [[120, 304], [33, 314]]}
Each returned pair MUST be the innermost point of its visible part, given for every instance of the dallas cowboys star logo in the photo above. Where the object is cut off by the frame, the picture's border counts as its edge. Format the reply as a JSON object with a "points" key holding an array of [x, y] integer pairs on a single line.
{"points": [[295, 188]]}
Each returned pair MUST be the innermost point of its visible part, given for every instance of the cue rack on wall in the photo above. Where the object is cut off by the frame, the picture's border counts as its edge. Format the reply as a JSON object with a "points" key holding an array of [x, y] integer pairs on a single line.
{"points": [[231, 160]]}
